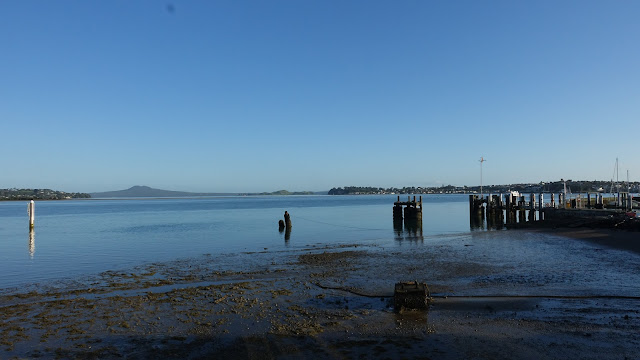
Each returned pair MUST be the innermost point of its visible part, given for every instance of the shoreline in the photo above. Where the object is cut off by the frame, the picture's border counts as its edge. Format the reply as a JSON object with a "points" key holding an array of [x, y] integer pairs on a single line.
{"points": [[616, 239], [309, 303]]}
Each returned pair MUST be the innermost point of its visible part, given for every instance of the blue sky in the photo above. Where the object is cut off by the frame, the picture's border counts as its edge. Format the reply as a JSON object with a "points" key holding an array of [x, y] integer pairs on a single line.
{"points": [[227, 96]]}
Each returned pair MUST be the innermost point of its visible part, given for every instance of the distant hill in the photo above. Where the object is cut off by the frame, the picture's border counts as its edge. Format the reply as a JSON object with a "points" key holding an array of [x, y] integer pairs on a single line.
{"points": [[145, 191]]}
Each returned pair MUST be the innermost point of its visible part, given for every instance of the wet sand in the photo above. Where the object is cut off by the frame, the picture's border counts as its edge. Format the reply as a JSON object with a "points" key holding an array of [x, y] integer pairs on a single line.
{"points": [[331, 302], [617, 239]]}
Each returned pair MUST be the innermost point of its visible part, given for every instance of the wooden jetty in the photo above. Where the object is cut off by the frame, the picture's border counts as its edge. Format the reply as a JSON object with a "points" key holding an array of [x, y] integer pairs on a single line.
{"points": [[503, 209]]}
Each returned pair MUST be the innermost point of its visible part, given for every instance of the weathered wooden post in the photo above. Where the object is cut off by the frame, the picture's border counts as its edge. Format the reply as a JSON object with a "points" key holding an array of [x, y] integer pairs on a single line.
{"points": [[540, 201], [287, 220], [397, 213], [419, 212], [31, 210], [475, 211], [599, 201], [532, 207], [490, 214], [507, 208], [471, 204], [409, 213]]}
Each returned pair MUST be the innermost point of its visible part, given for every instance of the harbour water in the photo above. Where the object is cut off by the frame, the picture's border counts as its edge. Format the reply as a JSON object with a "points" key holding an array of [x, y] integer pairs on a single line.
{"points": [[79, 237], [84, 237]]}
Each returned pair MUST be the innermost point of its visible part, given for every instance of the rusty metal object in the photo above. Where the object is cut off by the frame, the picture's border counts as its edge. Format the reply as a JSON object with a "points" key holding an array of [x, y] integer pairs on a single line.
{"points": [[411, 295]]}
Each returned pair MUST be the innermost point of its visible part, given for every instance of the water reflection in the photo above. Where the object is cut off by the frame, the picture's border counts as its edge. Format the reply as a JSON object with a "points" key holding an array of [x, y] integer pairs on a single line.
{"points": [[287, 234], [408, 230], [476, 222], [32, 243], [498, 220]]}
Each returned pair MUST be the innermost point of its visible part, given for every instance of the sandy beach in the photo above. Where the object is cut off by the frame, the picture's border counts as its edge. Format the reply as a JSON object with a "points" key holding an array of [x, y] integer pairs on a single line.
{"points": [[332, 302]]}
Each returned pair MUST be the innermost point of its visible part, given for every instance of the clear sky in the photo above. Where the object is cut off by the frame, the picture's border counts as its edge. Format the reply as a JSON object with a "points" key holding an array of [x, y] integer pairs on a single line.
{"points": [[241, 96]]}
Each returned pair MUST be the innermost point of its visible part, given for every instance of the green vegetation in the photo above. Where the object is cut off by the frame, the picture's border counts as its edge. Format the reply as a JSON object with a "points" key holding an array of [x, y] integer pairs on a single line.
{"points": [[547, 187], [39, 194]]}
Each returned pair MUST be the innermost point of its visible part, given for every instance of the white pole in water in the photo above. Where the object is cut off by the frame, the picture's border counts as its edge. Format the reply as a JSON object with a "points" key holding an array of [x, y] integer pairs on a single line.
{"points": [[482, 159], [31, 210], [32, 243]]}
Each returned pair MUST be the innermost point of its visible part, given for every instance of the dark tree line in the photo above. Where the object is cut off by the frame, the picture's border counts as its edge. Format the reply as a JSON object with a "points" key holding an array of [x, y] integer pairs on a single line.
{"points": [[39, 194]]}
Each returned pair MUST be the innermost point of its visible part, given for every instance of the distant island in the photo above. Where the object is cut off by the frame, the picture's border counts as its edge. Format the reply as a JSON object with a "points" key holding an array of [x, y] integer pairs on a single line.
{"points": [[146, 191], [39, 194], [546, 187]]}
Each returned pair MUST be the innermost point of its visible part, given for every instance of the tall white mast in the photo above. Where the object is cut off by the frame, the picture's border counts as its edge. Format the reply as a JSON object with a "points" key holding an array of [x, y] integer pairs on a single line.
{"points": [[482, 159]]}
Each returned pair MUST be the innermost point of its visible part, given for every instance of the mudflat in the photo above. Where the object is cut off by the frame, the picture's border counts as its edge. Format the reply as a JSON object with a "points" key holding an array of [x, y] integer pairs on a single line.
{"points": [[335, 302], [618, 239]]}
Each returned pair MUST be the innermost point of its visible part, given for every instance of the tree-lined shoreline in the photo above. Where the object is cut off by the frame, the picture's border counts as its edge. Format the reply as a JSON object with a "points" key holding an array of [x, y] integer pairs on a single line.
{"points": [[145, 191], [546, 187], [39, 194]]}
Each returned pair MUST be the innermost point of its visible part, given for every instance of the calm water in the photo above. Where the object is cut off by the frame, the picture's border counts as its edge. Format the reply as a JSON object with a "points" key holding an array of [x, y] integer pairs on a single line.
{"points": [[85, 237], [89, 236]]}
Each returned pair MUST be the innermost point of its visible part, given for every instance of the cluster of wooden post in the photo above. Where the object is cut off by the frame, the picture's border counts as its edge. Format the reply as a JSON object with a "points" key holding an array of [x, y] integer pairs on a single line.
{"points": [[508, 209], [501, 209], [412, 211], [625, 200], [594, 201], [285, 224]]}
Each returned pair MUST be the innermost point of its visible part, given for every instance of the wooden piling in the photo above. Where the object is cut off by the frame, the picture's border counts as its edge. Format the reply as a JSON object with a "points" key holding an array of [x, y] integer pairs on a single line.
{"points": [[412, 218], [287, 220], [532, 207], [397, 213], [540, 201], [471, 204]]}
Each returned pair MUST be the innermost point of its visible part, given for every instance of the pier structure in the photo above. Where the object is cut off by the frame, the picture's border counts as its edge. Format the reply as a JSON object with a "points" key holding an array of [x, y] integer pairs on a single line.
{"points": [[412, 210], [407, 219], [504, 209]]}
